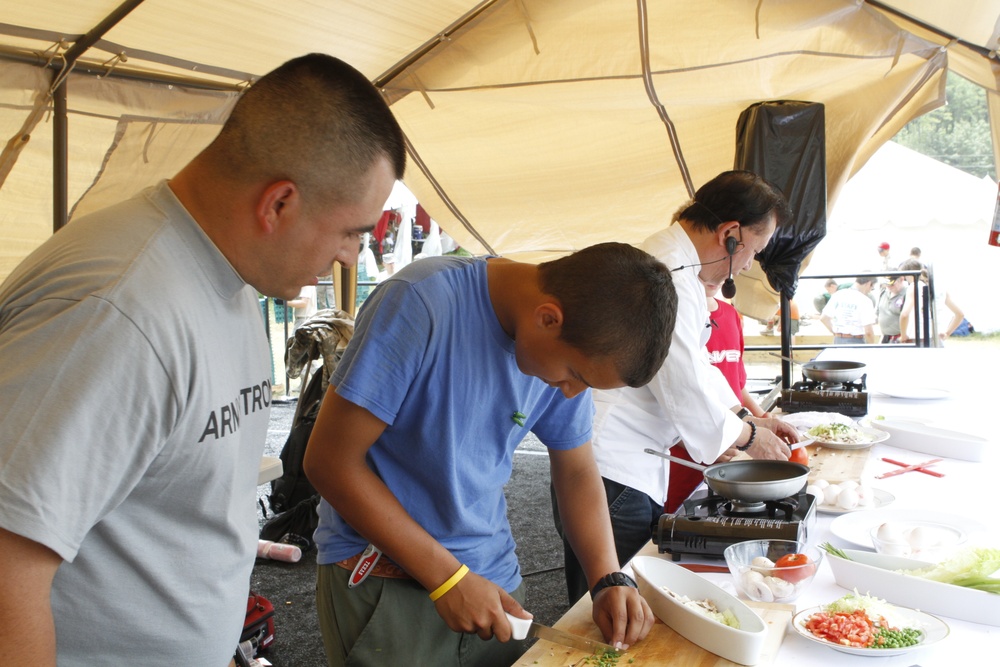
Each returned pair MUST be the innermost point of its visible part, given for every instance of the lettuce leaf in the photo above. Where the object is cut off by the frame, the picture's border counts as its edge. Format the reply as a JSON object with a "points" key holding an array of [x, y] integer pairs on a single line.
{"points": [[971, 568]]}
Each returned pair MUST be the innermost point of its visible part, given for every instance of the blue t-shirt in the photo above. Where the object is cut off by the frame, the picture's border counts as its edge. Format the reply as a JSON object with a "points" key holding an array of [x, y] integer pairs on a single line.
{"points": [[430, 359]]}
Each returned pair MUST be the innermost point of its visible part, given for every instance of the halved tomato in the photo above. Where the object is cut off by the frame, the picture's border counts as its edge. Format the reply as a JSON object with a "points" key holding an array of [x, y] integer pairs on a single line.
{"points": [[794, 567]]}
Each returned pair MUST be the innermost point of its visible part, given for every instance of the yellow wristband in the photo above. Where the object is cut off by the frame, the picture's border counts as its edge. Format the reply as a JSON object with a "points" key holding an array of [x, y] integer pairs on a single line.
{"points": [[450, 584]]}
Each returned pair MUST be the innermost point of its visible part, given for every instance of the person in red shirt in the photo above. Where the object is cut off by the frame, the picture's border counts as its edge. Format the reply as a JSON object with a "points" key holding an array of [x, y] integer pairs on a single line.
{"points": [[725, 350]]}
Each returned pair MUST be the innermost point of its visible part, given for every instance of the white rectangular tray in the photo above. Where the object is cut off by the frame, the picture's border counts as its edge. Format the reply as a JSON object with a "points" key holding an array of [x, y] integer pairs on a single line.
{"points": [[873, 574], [919, 437]]}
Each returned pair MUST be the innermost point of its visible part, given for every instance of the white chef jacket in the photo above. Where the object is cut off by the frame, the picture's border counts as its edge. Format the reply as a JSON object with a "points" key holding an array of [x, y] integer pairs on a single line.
{"points": [[689, 399]]}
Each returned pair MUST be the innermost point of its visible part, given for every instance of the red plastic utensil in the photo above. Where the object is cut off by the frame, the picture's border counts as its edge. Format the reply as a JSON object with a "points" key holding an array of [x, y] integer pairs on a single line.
{"points": [[915, 466], [933, 473]]}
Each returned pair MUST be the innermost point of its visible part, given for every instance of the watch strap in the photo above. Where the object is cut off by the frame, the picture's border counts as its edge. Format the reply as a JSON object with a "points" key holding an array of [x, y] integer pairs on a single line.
{"points": [[613, 579], [743, 413]]}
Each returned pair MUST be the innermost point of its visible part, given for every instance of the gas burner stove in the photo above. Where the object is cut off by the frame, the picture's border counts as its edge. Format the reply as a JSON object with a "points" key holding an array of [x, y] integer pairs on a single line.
{"points": [[815, 385], [847, 398], [707, 523]]}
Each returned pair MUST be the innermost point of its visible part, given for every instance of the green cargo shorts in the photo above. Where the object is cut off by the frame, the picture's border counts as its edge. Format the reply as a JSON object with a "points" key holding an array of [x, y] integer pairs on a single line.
{"points": [[386, 622]]}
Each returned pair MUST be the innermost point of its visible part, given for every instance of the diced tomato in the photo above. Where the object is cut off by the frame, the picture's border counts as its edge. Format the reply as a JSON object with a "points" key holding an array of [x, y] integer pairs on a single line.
{"points": [[854, 629]]}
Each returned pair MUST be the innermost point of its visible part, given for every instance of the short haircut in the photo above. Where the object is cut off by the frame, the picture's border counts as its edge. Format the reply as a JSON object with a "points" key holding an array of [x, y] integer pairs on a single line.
{"points": [[911, 264], [618, 302], [915, 251], [830, 283], [315, 121], [736, 195], [865, 280]]}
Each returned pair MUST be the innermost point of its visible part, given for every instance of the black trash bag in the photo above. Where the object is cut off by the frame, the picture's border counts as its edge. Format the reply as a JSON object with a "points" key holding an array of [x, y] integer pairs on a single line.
{"points": [[293, 486], [785, 142], [295, 526]]}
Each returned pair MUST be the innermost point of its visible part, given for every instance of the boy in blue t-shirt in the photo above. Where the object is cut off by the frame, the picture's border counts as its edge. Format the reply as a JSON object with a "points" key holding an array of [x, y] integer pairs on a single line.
{"points": [[452, 362]]}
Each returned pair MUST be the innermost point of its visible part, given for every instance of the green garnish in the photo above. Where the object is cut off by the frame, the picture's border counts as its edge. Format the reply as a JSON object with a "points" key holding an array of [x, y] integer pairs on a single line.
{"points": [[833, 551]]}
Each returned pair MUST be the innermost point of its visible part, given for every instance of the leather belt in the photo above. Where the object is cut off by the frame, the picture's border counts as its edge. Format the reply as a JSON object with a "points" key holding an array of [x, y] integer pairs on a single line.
{"points": [[847, 336], [383, 568]]}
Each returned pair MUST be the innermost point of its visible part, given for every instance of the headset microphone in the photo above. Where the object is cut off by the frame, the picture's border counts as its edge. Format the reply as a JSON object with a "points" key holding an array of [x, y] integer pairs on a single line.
{"points": [[728, 286]]}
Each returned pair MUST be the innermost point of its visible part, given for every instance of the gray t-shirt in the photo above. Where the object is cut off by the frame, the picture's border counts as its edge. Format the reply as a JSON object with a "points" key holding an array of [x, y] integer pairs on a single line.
{"points": [[136, 394]]}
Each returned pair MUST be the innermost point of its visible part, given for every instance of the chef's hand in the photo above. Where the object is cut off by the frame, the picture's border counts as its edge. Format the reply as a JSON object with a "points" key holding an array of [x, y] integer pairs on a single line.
{"points": [[622, 615], [768, 446], [727, 455], [780, 428], [477, 606]]}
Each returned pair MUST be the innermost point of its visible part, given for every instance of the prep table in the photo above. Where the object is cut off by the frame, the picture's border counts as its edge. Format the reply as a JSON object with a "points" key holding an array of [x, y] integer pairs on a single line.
{"points": [[968, 488]]}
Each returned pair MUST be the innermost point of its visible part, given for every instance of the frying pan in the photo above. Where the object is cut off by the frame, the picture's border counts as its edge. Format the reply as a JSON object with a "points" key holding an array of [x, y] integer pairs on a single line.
{"points": [[749, 481], [833, 371]]}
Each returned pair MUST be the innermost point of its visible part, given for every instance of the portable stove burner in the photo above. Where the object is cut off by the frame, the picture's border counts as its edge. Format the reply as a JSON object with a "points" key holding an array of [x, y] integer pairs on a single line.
{"points": [[861, 384], [847, 398], [707, 523]]}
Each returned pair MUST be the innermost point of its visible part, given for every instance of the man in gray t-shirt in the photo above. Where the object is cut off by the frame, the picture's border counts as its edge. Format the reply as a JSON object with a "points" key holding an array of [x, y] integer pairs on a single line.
{"points": [[136, 378]]}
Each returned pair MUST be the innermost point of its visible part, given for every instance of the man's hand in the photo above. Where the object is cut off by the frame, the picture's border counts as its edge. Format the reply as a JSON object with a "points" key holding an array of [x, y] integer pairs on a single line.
{"points": [[727, 455], [768, 446], [782, 429], [478, 606], [623, 616]]}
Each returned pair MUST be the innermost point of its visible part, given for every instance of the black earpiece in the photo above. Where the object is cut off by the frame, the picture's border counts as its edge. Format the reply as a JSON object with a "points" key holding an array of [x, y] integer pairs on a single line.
{"points": [[731, 244]]}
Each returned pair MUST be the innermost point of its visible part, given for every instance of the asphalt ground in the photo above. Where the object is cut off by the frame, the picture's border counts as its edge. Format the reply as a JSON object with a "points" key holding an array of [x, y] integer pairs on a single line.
{"points": [[290, 587]]}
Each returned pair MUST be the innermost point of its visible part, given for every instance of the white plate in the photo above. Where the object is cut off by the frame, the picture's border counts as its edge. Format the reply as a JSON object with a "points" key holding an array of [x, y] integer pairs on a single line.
{"points": [[915, 393], [934, 630], [875, 434], [855, 527], [804, 421], [880, 498]]}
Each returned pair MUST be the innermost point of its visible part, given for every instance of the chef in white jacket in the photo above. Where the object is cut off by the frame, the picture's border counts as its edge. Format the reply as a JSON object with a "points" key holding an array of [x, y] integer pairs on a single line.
{"points": [[712, 238]]}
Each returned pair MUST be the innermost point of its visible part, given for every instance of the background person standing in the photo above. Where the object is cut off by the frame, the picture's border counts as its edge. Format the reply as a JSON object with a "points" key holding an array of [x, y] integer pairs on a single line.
{"points": [[850, 315]]}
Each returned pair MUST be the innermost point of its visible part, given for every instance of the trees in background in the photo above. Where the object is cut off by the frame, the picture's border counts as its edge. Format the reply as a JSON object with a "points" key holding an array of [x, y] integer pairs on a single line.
{"points": [[958, 133]]}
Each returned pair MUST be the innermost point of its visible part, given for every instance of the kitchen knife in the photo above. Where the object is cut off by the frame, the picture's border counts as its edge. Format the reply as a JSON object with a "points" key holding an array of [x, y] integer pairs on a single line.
{"points": [[522, 628]]}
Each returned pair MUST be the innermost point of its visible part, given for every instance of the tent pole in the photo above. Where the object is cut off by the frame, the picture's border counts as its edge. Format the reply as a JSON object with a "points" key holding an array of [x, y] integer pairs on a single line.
{"points": [[60, 159], [60, 120]]}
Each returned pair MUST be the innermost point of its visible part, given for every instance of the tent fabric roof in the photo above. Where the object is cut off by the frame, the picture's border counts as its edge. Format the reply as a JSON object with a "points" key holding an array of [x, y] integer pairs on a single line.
{"points": [[534, 127]]}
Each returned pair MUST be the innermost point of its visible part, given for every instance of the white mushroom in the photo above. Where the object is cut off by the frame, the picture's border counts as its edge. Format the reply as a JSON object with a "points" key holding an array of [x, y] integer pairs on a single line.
{"points": [[754, 586], [762, 564], [779, 587]]}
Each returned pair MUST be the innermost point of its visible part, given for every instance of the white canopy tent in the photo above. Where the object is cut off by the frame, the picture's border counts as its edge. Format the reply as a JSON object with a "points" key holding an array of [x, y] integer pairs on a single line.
{"points": [[534, 127]]}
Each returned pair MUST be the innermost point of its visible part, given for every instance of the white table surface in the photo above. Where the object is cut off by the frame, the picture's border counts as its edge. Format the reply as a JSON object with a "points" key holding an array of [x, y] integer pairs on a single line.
{"points": [[970, 486]]}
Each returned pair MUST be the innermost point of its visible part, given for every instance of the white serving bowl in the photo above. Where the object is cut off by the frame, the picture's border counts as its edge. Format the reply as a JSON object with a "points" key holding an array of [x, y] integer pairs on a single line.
{"points": [[921, 540], [742, 645], [783, 584]]}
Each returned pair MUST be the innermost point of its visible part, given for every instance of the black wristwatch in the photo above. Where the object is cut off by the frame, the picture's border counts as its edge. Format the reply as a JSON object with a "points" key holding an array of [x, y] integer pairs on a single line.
{"points": [[743, 413], [613, 579]]}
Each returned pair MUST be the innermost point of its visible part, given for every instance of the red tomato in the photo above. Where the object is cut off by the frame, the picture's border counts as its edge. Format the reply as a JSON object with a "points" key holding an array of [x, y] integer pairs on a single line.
{"points": [[794, 567], [800, 455]]}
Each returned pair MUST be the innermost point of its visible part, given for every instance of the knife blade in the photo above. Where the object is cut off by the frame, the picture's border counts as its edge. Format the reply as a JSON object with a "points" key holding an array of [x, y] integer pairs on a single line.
{"points": [[523, 628]]}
